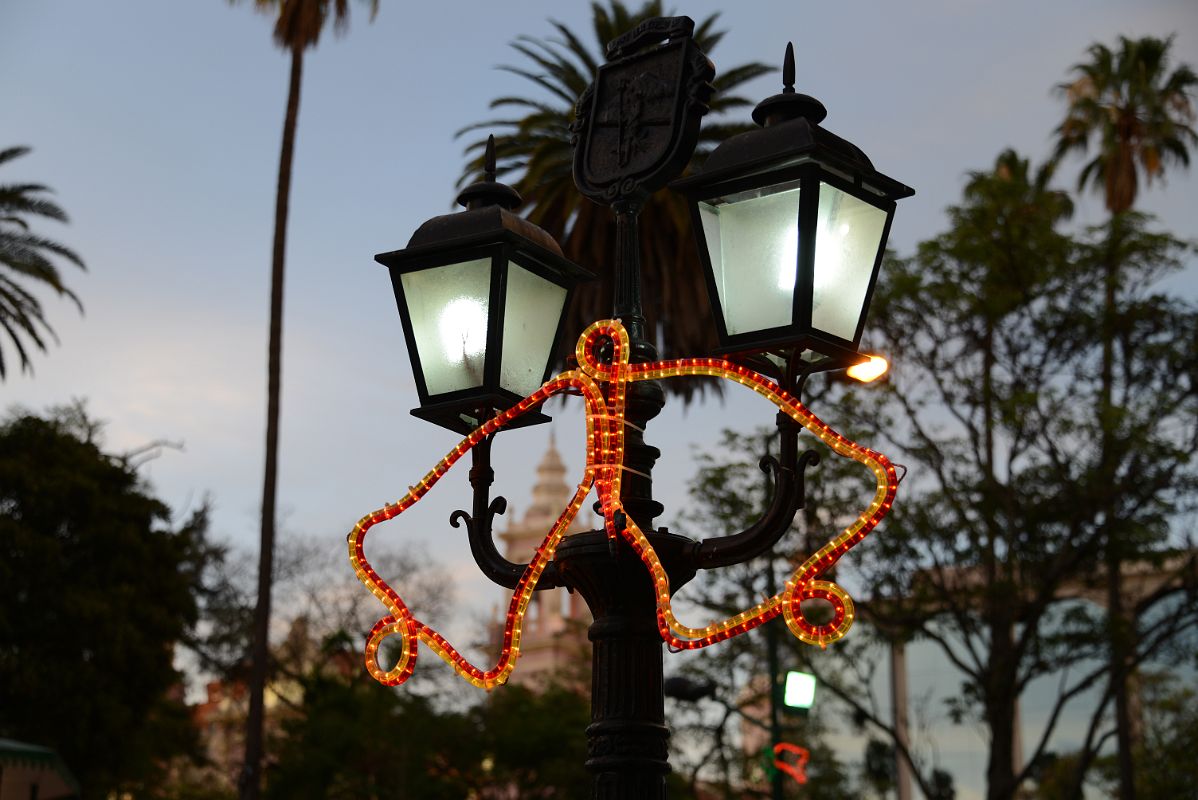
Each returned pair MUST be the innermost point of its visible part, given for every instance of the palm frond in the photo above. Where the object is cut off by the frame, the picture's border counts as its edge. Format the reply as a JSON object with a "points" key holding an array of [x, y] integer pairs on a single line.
{"points": [[8, 154], [557, 62], [300, 23], [576, 47], [38, 243], [26, 364], [523, 102], [742, 73], [19, 199], [707, 41], [483, 126], [28, 257], [561, 90]]}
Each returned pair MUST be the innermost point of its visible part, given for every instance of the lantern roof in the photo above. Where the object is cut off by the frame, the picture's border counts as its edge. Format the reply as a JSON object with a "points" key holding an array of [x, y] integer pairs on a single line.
{"points": [[790, 134], [477, 224], [489, 217]]}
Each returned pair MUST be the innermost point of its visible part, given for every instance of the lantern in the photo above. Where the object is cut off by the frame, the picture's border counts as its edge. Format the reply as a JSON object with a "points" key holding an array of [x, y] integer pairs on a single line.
{"points": [[482, 295], [792, 222]]}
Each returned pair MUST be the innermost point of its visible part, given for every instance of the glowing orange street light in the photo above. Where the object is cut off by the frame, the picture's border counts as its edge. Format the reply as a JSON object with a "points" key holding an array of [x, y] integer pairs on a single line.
{"points": [[870, 370]]}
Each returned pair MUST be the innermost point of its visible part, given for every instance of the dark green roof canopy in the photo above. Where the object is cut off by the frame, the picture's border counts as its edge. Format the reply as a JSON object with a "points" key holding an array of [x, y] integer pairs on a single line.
{"points": [[23, 754]]}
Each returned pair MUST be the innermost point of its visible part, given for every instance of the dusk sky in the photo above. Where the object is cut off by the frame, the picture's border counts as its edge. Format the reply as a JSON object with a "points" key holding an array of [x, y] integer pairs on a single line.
{"points": [[158, 123]]}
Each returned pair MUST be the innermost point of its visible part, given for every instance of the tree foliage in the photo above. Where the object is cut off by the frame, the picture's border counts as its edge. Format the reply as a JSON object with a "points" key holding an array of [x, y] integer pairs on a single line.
{"points": [[1170, 736], [1170, 740], [717, 742], [355, 738], [996, 328], [535, 743], [99, 587], [27, 257], [1141, 115]]}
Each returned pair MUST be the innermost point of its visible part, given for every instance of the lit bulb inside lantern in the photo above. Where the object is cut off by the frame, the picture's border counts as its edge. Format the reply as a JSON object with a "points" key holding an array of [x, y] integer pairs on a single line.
{"points": [[463, 329], [788, 258], [829, 260], [870, 370]]}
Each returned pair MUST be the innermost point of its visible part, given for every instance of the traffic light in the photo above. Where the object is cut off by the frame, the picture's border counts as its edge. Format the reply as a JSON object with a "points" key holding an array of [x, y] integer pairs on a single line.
{"points": [[799, 693]]}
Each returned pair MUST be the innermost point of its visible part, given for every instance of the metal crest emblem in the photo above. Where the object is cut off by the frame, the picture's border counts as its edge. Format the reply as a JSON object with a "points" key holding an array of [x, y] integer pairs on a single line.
{"points": [[636, 126]]}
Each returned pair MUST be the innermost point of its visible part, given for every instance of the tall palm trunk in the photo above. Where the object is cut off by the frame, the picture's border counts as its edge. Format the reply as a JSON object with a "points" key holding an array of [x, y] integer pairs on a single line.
{"points": [[251, 779], [1001, 691], [1122, 637], [1000, 707]]}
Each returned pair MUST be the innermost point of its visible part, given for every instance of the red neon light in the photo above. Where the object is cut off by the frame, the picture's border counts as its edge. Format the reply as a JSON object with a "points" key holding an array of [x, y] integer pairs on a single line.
{"points": [[603, 387], [797, 770]]}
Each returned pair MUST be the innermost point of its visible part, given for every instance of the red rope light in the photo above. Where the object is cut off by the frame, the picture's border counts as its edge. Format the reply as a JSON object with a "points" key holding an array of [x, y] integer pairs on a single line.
{"points": [[797, 770]]}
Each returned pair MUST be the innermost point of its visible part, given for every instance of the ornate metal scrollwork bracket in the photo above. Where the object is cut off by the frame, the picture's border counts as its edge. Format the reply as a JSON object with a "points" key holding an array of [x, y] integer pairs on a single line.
{"points": [[480, 526], [788, 473]]}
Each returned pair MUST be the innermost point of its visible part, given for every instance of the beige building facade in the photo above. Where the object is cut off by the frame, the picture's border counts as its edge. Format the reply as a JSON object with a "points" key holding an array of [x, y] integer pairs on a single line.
{"points": [[554, 645]]}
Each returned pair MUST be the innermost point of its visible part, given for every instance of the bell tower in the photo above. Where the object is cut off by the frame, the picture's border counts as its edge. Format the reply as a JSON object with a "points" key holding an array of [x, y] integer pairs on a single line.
{"points": [[554, 642]]}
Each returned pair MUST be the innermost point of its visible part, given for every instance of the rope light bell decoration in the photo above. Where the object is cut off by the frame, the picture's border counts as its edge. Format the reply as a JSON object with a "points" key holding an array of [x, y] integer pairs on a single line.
{"points": [[603, 388]]}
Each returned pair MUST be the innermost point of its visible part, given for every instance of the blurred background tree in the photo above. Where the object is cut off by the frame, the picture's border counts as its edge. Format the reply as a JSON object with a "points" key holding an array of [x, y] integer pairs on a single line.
{"points": [[355, 738], [996, 328], [1140, 114], [534, 743], [720, 742], [99, 587]]}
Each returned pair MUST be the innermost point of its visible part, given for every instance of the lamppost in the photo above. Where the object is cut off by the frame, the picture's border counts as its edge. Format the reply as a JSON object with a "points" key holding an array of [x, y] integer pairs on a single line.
{"points": [[792, 223]]}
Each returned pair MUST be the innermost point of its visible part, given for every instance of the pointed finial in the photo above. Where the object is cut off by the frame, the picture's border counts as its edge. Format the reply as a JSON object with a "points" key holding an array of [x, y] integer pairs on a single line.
{"points": [[489, 160], [788, 70], [789, 104], [489, 192]]}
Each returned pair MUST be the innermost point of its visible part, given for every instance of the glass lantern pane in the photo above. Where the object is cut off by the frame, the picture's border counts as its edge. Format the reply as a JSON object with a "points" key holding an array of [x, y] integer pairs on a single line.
{"points": [[531, 312], [449, 306], [753, 241], [848, 235]]}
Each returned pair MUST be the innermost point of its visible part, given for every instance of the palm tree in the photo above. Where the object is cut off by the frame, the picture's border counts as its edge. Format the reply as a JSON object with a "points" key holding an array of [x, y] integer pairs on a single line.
{"points": [[536, 148], [26, 256], [298, 27], [1141, 115]]}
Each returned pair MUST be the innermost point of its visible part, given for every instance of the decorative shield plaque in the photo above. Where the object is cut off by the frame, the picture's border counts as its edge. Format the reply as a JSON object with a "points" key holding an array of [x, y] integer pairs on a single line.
{"points": [[636, 126]]}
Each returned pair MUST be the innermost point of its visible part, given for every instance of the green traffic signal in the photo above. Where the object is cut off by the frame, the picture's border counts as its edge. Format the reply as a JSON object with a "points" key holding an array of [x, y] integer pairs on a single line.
{"points": [[800, 690]]}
